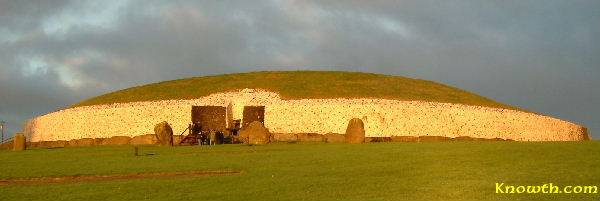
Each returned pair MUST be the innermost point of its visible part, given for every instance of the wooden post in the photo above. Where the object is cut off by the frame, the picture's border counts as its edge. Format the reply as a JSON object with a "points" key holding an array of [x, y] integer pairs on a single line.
{"points": [[136, 151], [19, 142]]}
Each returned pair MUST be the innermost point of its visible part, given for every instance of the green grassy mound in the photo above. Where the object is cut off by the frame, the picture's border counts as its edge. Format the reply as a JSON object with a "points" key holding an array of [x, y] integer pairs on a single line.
{"points": [[377, 171], [300, 85]]}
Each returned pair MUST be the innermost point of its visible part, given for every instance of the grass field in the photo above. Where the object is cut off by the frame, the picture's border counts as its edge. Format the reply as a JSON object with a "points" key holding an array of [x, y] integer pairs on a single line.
{"points": [[376, 171], [300, 85]]}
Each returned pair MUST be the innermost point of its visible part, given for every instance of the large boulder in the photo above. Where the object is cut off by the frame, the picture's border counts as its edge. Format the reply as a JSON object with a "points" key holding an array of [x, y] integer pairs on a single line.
{"points": [[255, 133], [82, 142], [334, 138], [8, 145], [98, 141], [116, 140], [468, 138], [427, 138], [284, 137], [405, 139], [19, 143], [29, 144], [378, 139], [310, 137], [53, 144], [164, 133], [144, 139], [355, 132], [464, 138]]}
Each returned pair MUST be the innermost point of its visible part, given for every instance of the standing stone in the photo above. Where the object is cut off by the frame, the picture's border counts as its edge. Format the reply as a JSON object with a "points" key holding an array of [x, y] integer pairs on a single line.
{"points": [[255, 133], [19, 142], [355, 133], [164, 133]]}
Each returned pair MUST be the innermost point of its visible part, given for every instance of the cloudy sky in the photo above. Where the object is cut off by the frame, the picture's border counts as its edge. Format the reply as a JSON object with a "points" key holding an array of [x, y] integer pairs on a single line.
{"points": [[541, 55]]}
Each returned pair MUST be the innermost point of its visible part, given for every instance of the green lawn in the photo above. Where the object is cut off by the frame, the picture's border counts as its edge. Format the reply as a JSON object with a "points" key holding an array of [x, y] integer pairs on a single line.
{"points": [[375, 171], [300, 85]]}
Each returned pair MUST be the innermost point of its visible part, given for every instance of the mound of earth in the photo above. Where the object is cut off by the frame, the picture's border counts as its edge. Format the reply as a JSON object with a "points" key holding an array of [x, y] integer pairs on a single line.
{"points": [[300, 85]]}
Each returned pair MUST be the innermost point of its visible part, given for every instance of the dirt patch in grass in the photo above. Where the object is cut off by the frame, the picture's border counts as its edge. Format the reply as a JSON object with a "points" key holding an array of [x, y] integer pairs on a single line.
{"points": [[91, 178]]}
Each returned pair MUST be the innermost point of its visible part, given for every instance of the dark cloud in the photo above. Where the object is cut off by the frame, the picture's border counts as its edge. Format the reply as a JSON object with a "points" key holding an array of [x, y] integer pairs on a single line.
{"points": [[539, 55]]}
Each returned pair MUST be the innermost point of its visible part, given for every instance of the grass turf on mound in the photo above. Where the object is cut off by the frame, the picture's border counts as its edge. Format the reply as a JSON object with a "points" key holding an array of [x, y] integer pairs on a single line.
{"points": [[377, 171], [300, 85]]}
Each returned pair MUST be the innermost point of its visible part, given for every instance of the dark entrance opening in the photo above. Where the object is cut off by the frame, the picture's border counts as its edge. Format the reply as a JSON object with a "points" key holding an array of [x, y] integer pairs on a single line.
{"points": [[252, 114]]}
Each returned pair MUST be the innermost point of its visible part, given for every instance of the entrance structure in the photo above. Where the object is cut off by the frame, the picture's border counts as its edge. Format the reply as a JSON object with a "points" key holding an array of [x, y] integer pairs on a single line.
{"points": [[212, 118], [217, 123], [252, 114]]}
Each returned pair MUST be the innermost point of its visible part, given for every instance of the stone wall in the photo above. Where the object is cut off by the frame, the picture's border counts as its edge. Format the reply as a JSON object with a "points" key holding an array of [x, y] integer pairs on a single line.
{"points": [[381, 118], [384, 118]]}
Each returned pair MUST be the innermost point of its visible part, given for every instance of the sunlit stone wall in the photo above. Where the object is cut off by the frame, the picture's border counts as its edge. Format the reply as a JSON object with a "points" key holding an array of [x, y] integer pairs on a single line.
{"points": [[381, 118], [384, 118]]}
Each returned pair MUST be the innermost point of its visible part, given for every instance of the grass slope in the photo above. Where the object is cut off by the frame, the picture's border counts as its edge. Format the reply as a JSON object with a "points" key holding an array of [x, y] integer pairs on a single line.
{"points": [[300, 85], [377, 171]]}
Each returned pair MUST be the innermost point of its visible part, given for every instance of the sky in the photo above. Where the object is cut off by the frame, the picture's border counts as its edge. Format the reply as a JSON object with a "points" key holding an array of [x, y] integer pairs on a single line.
{"points": [[540, 55]]}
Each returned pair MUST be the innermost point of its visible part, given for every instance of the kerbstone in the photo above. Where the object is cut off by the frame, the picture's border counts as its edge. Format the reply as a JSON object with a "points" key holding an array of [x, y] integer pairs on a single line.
{"points": [[355, 133], [255, 133], [164, 133]]}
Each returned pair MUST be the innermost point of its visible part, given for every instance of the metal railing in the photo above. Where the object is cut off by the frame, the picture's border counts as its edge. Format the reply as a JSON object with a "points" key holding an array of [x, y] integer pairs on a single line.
{"points": [[7, 140]]}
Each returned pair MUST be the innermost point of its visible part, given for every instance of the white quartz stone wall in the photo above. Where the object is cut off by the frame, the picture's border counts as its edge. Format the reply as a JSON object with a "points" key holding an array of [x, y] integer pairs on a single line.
{"points": [[411, 118], [381, 118]]}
